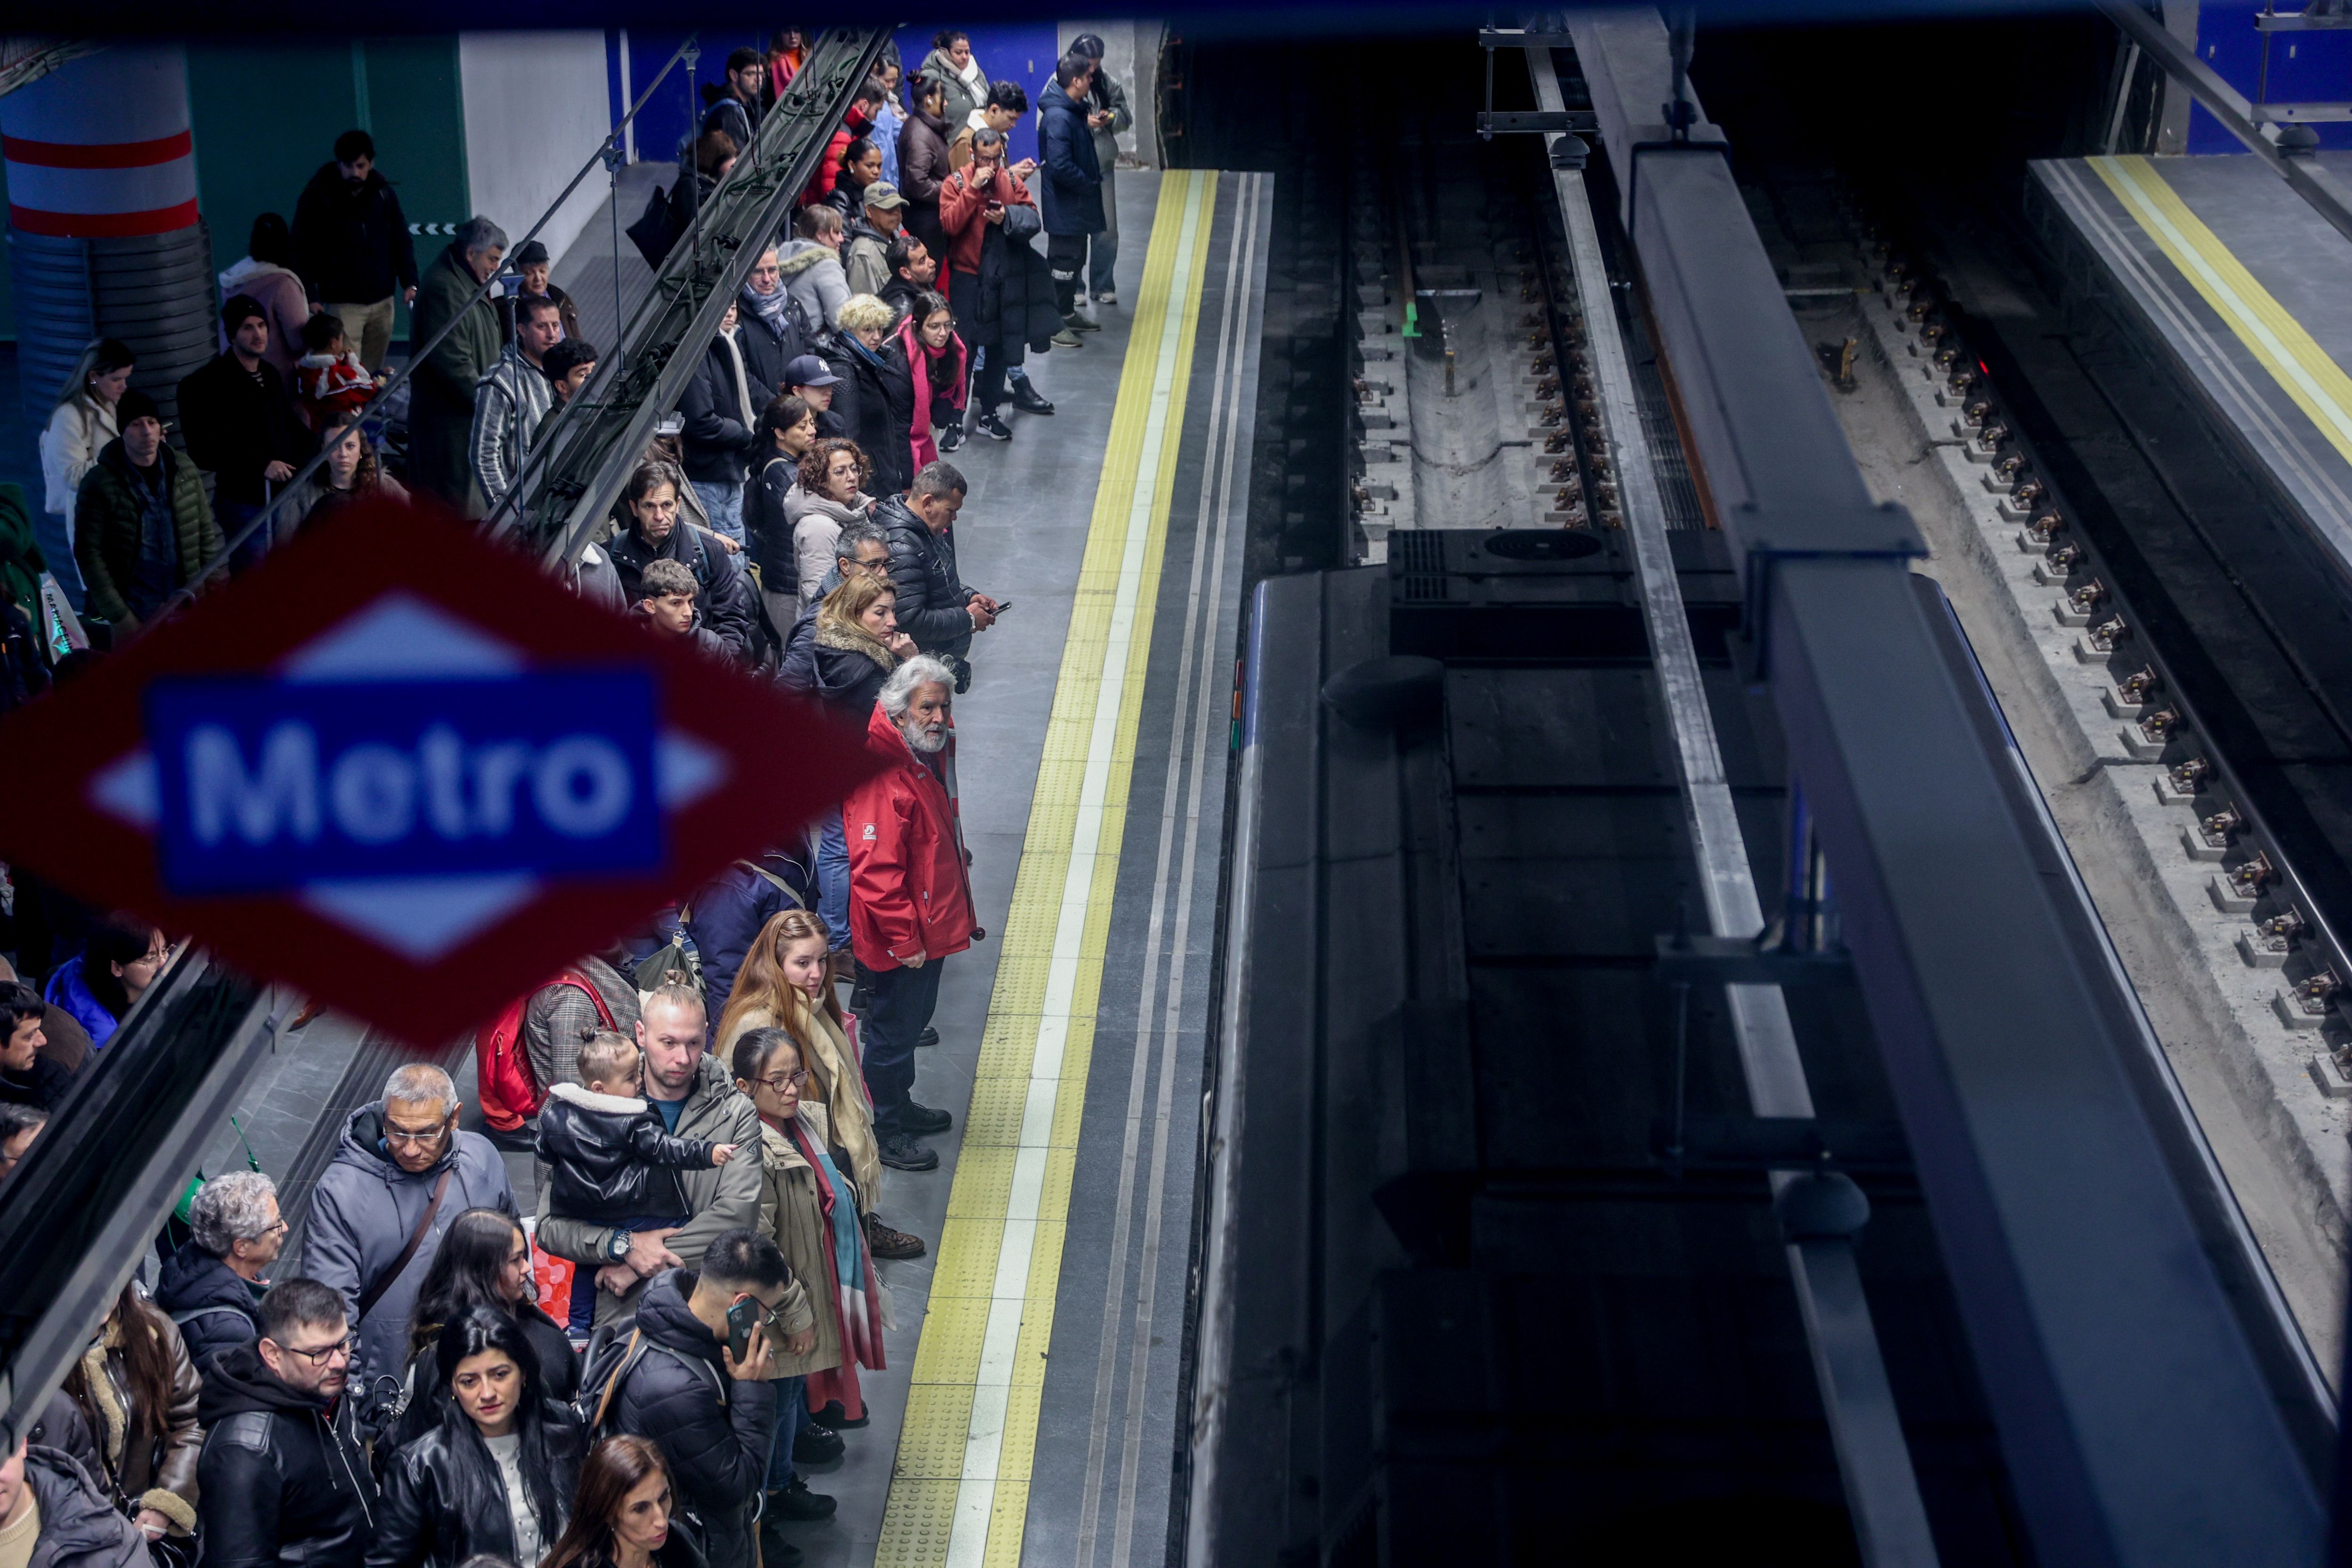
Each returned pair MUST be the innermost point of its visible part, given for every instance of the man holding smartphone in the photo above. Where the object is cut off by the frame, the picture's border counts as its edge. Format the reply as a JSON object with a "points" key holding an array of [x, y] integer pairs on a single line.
{"points": [[698, 1383]]}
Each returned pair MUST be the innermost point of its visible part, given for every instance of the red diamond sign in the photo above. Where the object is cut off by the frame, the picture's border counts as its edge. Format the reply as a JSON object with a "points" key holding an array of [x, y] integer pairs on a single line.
{"points": [[402, 769]]}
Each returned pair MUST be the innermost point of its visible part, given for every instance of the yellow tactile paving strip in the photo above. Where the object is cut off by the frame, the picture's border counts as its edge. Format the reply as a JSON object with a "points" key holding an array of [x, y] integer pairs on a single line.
{"points": [[2318, 385], [959, 1490]]}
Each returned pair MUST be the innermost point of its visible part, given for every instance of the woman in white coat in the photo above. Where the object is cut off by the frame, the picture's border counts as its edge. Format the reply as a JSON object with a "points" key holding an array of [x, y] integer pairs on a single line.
{"points": [[79, 427]]}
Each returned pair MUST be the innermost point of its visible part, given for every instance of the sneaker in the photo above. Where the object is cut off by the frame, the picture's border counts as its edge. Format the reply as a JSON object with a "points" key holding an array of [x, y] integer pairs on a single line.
{"points": [[812, 1445], [989, 425], [796, 1502], [1107, 298], [1065, 339], [1078, 324], [930, 1036], [923, 1119], [775, 1552], [905, 1154], [835, 1419], [951, 437], [1029, 400], [895, 1245]]}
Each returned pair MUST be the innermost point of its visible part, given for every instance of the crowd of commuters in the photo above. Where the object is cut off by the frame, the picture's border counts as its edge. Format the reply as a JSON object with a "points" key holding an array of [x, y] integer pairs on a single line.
{"points": [[636, 1367]]}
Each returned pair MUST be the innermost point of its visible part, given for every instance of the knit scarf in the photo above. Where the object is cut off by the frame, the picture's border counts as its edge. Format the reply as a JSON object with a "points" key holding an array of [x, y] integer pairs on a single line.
{"points": [[769, 307], [851, 1269]]}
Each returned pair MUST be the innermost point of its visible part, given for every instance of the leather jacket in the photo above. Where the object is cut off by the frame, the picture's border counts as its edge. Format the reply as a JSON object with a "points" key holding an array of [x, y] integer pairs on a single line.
{"points": [[443, 1501], [157, 1472], [282, 1480]]}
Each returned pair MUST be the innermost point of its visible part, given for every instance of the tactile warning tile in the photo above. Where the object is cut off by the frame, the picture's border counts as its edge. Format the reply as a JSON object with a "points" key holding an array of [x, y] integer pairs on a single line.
{"points": [[1037, 1313], [1008, 1518], [938, 1422], [994, 1116], [1008, 1042], [916, 1524], [1017, 1454], [984, 1182], [1070, 1109], [1053, 1195], [954, 1330], [966, 1265]]}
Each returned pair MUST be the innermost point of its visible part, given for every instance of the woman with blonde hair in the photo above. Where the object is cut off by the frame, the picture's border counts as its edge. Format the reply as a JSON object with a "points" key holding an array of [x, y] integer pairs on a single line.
{"points": [[859, 644], [80, 425], [783, 985]]}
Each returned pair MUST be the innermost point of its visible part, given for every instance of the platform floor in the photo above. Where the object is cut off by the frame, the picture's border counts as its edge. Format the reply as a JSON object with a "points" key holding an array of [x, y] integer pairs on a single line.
{"points": [[2244, 285]]}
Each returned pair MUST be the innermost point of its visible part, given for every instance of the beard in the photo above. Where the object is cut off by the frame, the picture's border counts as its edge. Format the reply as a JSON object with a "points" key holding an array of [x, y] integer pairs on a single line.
{"points": [[923, 738]]}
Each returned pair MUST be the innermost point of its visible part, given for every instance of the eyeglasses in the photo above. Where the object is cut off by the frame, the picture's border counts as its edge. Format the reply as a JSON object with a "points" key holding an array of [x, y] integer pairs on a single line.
{"points": [[784, 1080], [405, 1135], [323, 1353]]}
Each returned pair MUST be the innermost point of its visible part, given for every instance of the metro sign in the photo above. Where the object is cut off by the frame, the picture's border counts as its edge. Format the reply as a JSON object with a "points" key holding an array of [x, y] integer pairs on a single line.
{"points": [[402, 769]]}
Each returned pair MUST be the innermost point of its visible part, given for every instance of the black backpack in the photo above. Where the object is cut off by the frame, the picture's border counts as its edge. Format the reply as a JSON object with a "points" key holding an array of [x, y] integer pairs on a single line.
{"points": [[614, 1353]]}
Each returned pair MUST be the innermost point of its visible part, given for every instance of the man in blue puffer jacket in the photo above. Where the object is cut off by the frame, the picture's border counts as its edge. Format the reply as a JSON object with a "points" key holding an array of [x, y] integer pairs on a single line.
{"points": [[1073, 183]]}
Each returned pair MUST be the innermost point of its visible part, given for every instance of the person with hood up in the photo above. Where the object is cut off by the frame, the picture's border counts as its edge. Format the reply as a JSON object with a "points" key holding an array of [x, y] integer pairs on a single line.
{"points": [[283, 1478], [266, 275], [810, 268], [874, 404], [212, 1287], [1074, 181], [403, 1174], [142, 527], [52, 1516], [939, 368], [951, 64], [910, 907], [443, 384], [923, 160], [830, 496], [99, 984], [711, 1412], [352, 246], [657, 530]]}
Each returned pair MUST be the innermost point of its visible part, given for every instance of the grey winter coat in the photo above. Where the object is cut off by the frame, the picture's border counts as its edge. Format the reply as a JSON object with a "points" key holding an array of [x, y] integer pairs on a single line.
{"points": [[80, 1529], [508, 404], [721, 1197], [813, 273], [361, 1215]]}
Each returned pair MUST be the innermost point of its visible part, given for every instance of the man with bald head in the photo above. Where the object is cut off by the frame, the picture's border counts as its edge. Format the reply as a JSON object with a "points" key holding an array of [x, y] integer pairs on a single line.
{"points": [[403, 1173], [695, 1098]]}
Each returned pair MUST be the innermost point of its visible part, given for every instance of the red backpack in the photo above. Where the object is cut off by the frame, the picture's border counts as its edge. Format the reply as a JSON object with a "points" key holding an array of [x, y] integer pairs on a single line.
{"points": [[503, 1081]]}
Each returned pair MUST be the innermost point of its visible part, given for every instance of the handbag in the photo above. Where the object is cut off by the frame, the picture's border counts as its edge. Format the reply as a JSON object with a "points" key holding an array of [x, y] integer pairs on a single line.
{"points": [[656, 231]]}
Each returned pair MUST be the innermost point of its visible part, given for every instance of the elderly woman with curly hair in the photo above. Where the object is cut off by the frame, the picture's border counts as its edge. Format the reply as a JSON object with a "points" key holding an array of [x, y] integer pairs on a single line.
{"points": [[830, 496]]}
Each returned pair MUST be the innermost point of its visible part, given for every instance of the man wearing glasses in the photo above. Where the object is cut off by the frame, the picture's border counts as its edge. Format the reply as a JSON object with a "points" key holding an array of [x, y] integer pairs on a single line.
{"points": [[404, 1174], [282, 1477]]}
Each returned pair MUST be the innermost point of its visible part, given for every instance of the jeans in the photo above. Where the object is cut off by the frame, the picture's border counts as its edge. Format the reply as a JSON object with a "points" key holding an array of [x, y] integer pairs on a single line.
{"points": [[582, 1320], [366, 328], [832, 878], [900, 1010], [724, 502], [233, 516], [1102, 255], [791, 1411]]}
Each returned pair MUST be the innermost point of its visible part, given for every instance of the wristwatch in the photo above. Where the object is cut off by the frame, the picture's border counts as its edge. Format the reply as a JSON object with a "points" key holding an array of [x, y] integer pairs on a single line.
{"points": [[618, 1247]]}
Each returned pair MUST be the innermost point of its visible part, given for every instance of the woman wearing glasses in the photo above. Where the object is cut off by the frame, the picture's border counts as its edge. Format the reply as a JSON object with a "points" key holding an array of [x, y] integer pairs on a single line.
{"points": [[496, 1473], [810, 1208]]}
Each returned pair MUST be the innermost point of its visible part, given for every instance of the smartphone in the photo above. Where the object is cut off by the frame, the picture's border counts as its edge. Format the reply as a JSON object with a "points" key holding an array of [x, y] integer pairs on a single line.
{"points": [[742, 1318], [1003, 606]]}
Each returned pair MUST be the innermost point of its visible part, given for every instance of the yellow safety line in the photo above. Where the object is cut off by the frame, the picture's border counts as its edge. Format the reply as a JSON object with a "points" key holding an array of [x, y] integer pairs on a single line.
{"points": [[960, 1490], [2317, 384]]}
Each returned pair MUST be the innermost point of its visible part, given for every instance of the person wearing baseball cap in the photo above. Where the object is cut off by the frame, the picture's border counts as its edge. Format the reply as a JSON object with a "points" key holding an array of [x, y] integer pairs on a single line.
{"points": [[532, 265], [865, 258], [811, 379]]}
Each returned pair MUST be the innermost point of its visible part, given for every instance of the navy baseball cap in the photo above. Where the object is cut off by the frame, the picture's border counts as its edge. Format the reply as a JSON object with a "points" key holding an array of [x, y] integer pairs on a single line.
{"points": [[810, 371]]}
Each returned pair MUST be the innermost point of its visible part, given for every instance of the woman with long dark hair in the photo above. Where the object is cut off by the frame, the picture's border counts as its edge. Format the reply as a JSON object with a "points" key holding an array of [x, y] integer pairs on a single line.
{"points": [[138, 1392], [101, 985], [496, 1475], [620, 1518], [484, 1261]]}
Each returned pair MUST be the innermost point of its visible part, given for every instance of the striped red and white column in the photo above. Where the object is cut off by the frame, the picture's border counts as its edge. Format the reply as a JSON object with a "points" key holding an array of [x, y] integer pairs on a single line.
{"points": [[99, 149]]}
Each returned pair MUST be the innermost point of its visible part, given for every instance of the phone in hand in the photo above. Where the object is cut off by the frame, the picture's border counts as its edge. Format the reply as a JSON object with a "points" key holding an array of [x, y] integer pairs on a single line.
{"points": [[1003, 606], [742, 1318]]}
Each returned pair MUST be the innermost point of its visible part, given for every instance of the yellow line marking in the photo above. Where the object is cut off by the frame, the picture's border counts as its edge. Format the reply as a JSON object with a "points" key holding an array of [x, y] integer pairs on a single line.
{"points": [[960, 1490], [2303, 369]]}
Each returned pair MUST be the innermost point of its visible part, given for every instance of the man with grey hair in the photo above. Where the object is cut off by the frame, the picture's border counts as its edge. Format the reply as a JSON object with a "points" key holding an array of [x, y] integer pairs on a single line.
{"points": [[441, 404], [934, 606], [910, 894], [213, 1285], [403, 1173]]}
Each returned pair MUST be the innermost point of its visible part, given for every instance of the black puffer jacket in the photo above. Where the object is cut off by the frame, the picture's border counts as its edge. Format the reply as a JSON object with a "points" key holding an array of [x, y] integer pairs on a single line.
{"points": [[931, 595], [443, 1501], [715, 1432], [726, 597], [766, 528], [876, 407], [610, 1159], [80, 1529], [282, 1481], [213, 1306]]}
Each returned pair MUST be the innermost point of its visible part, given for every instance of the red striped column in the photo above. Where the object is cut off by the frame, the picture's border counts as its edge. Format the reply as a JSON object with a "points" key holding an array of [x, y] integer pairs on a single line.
{"points": [[100, 148]]}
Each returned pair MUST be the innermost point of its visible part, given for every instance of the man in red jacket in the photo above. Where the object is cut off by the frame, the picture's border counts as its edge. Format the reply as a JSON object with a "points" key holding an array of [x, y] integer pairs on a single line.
{"points": [[910, 894]]}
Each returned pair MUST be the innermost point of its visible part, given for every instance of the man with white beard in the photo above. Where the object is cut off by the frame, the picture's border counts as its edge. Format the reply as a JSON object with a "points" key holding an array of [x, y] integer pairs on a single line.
{"points": [[911, 893]]}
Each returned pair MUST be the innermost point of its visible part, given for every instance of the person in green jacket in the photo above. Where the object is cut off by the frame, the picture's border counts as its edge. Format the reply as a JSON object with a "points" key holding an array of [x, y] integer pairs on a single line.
{"points": [[441, 402], [142, 527]]}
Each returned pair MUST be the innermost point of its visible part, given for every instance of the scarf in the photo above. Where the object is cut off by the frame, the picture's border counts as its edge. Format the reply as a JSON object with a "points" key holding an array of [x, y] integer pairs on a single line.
{"points": [[851, 1269], [748, 415], [769, 307]]}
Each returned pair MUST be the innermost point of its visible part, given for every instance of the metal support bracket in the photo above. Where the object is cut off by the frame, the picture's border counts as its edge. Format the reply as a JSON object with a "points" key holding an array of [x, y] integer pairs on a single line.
{"points": [[1766, 542], [1699, 958]]}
